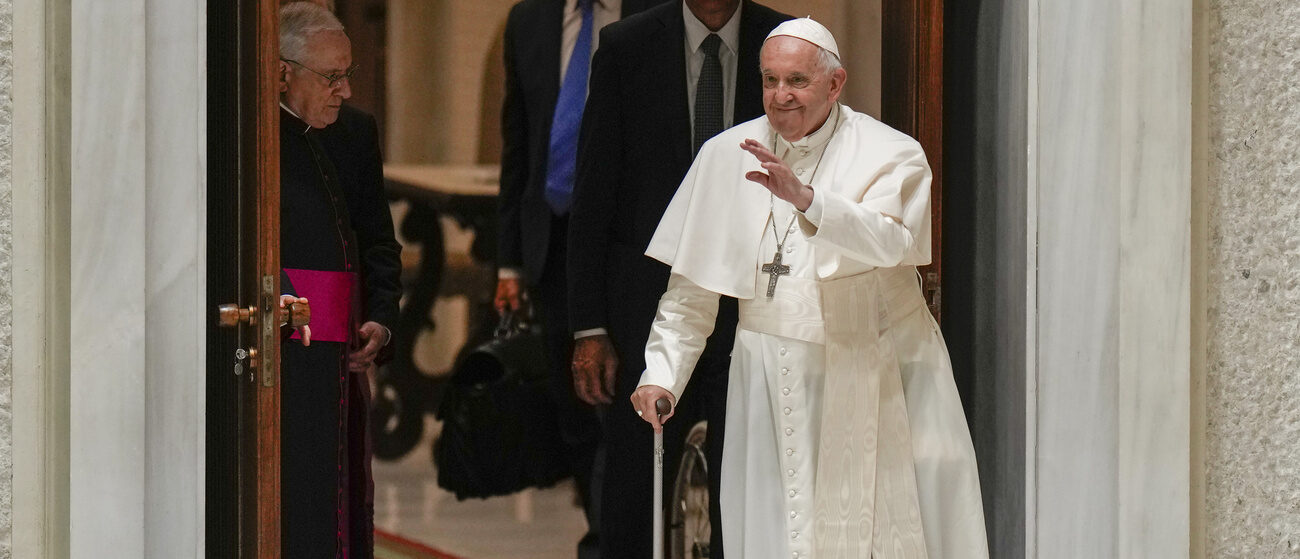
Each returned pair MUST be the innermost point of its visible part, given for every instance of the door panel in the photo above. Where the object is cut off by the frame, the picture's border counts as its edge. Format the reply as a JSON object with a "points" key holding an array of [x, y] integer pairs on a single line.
{"points": [[912, 101], [243, 413]]}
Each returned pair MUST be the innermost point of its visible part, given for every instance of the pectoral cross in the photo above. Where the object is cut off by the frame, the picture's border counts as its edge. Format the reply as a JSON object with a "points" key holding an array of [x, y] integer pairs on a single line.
{"points": [[775, 269]]}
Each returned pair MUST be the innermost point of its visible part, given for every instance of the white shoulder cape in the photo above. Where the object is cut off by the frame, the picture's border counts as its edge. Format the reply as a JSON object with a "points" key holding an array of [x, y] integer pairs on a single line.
{"points": [[711, 231]]}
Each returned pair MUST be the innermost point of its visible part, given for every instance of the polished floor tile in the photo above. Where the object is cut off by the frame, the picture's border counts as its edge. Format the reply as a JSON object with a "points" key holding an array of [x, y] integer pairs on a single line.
{"points": [[535, 524]]}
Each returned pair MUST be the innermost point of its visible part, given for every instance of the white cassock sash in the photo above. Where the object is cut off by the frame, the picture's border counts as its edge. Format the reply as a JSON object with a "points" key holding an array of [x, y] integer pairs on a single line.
{"points": [[866, 502], [865, 499]]}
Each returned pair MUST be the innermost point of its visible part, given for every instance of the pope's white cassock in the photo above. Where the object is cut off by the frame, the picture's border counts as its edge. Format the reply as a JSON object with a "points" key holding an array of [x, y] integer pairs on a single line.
{"points": [[845, 435]]}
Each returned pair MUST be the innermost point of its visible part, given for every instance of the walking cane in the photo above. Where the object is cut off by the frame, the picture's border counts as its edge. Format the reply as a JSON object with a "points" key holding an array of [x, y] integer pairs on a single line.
{"points": [[661, 407]]}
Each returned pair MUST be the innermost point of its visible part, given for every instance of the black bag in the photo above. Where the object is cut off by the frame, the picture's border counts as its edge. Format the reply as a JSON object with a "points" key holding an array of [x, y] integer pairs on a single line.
{"points": [[499, 432]]}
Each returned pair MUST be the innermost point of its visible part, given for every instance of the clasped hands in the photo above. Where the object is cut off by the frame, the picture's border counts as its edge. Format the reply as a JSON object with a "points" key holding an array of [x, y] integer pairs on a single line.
{"points": [[779, 179]]}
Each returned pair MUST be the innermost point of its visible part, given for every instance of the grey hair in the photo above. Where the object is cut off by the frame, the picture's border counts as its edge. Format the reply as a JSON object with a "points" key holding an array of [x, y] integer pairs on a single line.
{"points": [[298, 22], [828, 61]]}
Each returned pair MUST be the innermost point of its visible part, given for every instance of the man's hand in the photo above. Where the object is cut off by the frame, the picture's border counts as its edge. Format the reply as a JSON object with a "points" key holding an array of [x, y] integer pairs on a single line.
{"points": [[373, 337], [779, 179], [304, 331], [594, 365], [643, 400], [510, 296]]}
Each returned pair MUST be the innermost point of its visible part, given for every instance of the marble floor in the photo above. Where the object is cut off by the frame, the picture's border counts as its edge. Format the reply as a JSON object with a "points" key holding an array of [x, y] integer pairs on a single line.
{"points": [[536, 524]]}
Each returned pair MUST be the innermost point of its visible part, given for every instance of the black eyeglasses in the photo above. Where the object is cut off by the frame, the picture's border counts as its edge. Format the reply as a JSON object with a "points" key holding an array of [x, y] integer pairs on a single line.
{"points": [[334, 78]]}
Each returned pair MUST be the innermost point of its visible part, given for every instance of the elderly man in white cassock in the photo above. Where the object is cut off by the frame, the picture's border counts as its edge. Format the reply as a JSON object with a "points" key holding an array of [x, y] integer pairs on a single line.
{"points": [[845, 435]]}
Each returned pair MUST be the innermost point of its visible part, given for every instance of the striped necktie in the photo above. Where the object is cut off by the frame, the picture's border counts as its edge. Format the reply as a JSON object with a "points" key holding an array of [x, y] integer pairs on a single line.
{"points": [[708, 93]]}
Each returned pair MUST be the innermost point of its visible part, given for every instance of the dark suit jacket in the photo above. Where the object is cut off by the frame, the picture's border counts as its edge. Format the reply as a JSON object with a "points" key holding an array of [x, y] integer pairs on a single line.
{"points": [[352, 143], [532, 65], [635, 148]]}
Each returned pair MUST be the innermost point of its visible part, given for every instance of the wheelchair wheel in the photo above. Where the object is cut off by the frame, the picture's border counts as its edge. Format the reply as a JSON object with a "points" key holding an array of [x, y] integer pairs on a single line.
{"points": [[688, 517]]}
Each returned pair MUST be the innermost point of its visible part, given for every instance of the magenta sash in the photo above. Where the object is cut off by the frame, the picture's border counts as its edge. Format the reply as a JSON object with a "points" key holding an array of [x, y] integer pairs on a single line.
{"points": [[330, 297]]}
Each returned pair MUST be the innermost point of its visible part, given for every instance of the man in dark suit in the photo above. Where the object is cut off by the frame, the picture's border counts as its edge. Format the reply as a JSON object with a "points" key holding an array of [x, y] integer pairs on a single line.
{"points": [[662, 83], [548, 45]]}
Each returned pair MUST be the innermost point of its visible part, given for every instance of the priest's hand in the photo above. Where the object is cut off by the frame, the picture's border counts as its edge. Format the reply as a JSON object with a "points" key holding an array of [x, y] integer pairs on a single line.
{"points": [[594, 365], [779, 179], [644, 401], [373, 337], [304, 331], [510, 296]]}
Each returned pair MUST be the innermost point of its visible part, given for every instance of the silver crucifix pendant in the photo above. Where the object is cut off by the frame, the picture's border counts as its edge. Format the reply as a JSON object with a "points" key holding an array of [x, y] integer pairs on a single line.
{"points": [[774, 270]]}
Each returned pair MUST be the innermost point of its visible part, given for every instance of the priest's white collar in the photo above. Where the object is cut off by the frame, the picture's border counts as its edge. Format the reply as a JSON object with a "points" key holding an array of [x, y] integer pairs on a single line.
{"points": [[818, 138], [696, 31], [295, 115]]}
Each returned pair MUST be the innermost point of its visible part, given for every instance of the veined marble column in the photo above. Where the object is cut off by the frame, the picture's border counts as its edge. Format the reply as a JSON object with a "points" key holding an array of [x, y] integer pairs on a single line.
{"points": [[1110, 145], [138, 210]]}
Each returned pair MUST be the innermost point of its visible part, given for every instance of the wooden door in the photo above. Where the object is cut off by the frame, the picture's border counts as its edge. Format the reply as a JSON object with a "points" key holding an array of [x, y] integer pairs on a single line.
{"points": [[243, 415], [912, 101]]}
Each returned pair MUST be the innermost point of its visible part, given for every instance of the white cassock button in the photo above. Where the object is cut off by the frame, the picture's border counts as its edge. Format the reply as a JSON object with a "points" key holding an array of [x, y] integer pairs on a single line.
{"points": [[794, 514], [803, 152], [799, 171], [789, 452], [796, 555], [785, 370], [794, 535], [786, 391], [783, 352], [793, 492], [787, 411], [789, 250], [789, 473], [789, 431]]}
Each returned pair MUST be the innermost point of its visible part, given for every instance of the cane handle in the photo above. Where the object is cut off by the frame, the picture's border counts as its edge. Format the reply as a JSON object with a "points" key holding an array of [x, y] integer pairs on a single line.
{"points": [[663, 406]]}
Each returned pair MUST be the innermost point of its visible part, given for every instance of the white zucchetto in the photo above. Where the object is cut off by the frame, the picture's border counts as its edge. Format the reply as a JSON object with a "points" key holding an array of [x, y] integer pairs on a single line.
{"points": [[807, 29]]}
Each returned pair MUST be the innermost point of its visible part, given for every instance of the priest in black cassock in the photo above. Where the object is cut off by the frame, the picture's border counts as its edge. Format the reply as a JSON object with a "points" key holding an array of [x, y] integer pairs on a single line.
{"points": [[338, 251]]}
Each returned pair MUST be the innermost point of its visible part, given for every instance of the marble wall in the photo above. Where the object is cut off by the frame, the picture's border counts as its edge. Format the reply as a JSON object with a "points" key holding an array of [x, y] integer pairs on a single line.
{"points": [[138, 232], [6, 278], [984, 246], [1109, 168], [1252, 389]]}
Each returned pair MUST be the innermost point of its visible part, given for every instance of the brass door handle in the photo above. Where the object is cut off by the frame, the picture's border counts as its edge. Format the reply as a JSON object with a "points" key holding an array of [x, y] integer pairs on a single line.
{"points": [[296, 315], [234, 315]]}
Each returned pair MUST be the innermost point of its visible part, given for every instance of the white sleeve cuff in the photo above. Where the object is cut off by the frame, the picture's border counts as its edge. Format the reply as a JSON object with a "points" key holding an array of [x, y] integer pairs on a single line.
{"points": [[810, 220], [507, 273], [580, 334]]}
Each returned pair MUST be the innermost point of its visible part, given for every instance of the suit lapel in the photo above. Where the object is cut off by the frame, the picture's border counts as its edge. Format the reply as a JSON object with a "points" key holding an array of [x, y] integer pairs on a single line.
{"points": [[548, 44], [749, 91], [671, 40], [630, 7]]}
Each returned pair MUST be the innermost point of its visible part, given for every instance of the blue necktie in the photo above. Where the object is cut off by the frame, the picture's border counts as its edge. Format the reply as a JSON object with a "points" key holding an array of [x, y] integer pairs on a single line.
{"points": [[563, 155]]}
